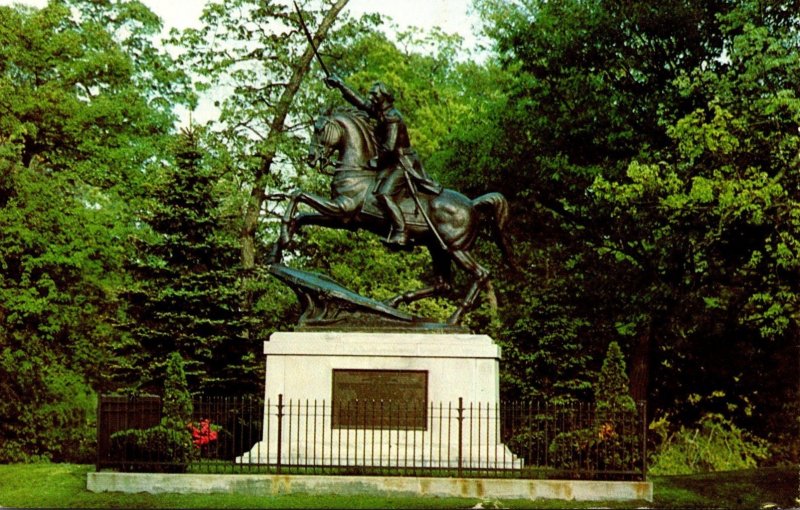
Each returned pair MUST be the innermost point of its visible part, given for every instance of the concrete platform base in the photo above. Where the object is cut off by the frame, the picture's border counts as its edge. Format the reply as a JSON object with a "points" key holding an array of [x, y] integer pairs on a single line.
{"points": [[484, 488], [449, 368]]}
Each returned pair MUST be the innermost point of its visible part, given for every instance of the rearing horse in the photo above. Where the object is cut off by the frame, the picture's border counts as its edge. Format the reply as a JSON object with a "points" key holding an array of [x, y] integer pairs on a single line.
{"points": [[353, 206]]}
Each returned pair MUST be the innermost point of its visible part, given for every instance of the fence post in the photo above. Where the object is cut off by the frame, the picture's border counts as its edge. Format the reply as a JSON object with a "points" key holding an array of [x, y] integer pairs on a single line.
{"points": [[644, 439], [460, 436], [280, 429], [99, 434]]}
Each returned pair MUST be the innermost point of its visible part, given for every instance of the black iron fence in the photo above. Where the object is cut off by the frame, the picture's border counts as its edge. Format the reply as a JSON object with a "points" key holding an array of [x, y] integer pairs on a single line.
{"points": [[248, 435]]}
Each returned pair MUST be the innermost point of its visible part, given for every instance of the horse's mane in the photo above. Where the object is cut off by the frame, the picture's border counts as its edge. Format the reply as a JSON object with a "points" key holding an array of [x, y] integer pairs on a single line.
{"points": [[361, 122]]}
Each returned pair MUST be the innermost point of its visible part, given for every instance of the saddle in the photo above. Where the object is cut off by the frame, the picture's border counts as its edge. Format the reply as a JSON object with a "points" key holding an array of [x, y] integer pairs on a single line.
{"points": [[404, 200]]}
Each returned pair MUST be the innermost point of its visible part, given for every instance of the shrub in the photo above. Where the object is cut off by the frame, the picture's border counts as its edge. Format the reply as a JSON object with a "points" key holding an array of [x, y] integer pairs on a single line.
{"points": [[47, 413], [177, 399], [716, 444], [608, 445], [572, 451], [168, 446], [527, 441], [159, 449], [610, 442]]}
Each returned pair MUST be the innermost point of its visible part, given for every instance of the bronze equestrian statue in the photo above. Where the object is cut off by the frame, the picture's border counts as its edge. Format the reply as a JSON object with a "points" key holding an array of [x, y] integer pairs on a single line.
{"points": [[443, 220], [395, 154]]}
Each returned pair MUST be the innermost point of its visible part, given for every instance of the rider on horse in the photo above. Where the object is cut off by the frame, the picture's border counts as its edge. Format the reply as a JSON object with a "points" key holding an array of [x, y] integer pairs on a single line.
{"points": [[395, 153]]}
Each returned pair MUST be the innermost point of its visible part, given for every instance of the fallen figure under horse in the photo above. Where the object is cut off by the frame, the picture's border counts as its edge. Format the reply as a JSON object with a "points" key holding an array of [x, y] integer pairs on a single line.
{"points": [[446, 223]]}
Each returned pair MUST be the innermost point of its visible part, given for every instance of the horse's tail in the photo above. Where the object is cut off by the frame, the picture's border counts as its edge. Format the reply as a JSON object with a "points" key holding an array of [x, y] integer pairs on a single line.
{"points": [[497, 205]]}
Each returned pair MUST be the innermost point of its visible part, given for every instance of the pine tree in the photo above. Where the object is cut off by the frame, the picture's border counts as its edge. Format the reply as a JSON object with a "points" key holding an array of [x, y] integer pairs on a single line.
{"points": [[186, 271], [612, 393]]}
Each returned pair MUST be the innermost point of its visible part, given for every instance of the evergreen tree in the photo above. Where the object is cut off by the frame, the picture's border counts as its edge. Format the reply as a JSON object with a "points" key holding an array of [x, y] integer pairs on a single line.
{"points": [[612, 439], [177, 408], [185, 299], [612, 393], [615, 427]]}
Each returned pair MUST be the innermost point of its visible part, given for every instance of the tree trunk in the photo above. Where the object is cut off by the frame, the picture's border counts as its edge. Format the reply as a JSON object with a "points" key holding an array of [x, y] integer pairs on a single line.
{"points": [[276, 128]]}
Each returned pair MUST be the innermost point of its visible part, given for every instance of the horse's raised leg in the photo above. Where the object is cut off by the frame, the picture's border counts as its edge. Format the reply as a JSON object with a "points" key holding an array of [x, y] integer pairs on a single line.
{"points": [[481, 275], [442, 279], [331, 213], [288, 228], [285, 235]]}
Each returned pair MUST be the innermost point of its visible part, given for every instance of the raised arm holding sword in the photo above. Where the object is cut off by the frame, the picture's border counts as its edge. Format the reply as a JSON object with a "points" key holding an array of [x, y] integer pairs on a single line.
{"points": [[395, 154]]}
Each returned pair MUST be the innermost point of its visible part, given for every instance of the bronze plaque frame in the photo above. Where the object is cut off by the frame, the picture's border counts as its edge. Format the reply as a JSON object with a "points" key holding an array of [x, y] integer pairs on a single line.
{"points": [[379, 399]]}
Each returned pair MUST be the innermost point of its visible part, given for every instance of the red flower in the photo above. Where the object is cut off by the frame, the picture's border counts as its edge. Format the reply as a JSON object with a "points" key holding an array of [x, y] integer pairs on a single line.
{"points": [[204, 434]]}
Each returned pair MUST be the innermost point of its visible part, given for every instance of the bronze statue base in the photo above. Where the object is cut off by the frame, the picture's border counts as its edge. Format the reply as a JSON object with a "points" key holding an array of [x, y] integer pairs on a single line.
{"points": [[329, 306]]}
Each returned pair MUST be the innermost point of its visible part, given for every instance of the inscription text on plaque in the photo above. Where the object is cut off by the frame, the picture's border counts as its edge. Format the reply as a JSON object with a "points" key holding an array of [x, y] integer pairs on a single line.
{"points": [[387, 399]]}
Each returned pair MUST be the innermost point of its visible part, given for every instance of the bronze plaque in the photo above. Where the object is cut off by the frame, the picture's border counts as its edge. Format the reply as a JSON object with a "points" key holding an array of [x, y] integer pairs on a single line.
{"points": [[388, 399]]}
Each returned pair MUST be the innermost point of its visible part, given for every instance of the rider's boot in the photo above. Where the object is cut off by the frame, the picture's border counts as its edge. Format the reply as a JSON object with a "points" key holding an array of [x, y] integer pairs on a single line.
{"points": [[395, 216]]}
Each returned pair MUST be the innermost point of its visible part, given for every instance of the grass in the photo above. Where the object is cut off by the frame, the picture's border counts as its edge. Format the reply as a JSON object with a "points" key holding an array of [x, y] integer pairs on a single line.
{"points": [[64, 486], [732, 489]]}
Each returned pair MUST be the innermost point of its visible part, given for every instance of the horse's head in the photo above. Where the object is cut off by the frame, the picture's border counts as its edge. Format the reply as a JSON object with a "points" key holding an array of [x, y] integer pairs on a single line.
{"points": [[345, 131], [324, 140]]}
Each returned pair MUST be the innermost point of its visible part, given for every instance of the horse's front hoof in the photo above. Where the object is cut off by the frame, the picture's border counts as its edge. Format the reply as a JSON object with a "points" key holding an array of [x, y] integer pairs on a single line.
{"points": [[455, 319]]}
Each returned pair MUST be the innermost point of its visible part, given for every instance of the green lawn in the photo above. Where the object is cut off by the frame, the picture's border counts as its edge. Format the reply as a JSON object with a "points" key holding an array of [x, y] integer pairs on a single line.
{"points": [[64, 486], [731, 489]]}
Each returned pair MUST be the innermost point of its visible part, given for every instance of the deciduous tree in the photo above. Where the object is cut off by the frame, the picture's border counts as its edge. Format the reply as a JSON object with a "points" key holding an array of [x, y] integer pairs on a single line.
{"points": [[85, 104]]}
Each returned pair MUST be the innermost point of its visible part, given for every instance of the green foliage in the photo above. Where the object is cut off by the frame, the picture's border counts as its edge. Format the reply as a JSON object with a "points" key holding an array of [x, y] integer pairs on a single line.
{"points": [[608, 448], [573, 450], [168, 446], [543, 351], [649, 150], [612, 440], [713, 444], [60, 274], [186, 294], [159, 449], [612, 392], [56, 419], [714, 218], [177, 400], [84, 90], [83, 109]]}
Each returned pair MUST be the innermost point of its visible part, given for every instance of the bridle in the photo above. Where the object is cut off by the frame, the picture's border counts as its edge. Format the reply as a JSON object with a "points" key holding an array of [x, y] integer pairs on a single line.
{"points": [[324, 144], [326, 139]]}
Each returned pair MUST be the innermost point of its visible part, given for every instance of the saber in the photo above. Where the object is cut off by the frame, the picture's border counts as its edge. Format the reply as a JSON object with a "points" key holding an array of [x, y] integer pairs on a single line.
{"points": [[413, 189], [310, 39]]}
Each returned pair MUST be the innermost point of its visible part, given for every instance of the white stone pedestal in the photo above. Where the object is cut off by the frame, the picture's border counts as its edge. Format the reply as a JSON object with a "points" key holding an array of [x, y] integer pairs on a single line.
{"points": [[299, 374]]}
